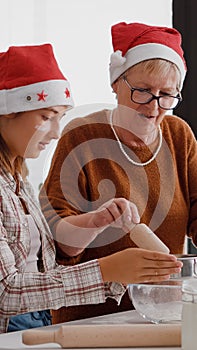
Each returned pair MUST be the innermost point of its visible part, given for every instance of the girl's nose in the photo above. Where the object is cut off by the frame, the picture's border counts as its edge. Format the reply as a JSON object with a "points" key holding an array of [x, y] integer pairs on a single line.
{"points": [[55, 131]]}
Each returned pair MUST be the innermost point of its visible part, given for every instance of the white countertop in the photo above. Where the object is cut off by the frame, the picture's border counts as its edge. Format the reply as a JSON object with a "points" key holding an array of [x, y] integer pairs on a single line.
{"points": [[14, 340]]}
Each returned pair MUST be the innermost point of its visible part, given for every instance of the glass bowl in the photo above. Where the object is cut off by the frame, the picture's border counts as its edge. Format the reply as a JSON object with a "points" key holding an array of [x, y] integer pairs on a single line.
{"points": [[189, 268], [157, 302]]}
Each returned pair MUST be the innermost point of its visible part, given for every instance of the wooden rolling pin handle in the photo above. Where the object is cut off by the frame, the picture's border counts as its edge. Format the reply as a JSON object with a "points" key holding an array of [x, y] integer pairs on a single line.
{"points": [[38, 336]]}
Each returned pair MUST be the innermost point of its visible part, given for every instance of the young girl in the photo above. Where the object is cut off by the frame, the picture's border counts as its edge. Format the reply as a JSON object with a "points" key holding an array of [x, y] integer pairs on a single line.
{"points": [[34, 96]]}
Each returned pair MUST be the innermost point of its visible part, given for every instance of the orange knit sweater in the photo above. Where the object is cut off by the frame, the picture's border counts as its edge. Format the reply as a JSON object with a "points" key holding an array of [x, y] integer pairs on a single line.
{"points": [[88, 168]]}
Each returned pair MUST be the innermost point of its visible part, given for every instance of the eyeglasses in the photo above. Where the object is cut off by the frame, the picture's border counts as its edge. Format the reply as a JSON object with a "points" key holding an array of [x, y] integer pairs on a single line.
{"points": [[142, 96]]}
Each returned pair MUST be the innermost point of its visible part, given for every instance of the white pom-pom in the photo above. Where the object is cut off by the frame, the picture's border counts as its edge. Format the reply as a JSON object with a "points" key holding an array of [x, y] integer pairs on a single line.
{"points": [[116, 59]]}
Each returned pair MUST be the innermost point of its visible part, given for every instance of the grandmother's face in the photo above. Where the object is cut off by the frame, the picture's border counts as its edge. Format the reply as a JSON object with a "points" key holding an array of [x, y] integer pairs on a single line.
{"points": [[158, 84], [28, 133]]}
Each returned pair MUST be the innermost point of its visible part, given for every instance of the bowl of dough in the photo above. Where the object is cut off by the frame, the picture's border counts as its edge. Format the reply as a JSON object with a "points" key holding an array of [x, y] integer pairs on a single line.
{"points": [[157, 302]]}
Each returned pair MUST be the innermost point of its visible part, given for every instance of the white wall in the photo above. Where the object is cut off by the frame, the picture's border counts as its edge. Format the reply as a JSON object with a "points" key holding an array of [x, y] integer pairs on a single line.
{"points": [[79, 31]]}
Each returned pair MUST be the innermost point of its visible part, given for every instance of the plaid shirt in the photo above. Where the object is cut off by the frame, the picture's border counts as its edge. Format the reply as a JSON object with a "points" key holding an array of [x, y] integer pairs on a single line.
{"points": [[53, 286]]}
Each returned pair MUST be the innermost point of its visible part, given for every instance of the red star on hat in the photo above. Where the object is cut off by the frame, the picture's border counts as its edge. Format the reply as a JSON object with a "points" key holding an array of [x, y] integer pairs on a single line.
{"points": [[67, 92], [42, 96]]}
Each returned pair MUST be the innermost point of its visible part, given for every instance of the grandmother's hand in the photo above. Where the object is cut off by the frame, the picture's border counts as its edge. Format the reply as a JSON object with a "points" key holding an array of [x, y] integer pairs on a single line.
{"points": [[117, 212]]}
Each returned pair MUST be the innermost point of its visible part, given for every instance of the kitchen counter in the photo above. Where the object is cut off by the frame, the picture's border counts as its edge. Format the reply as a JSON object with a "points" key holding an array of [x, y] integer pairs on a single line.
{"points": [[14, 340]]}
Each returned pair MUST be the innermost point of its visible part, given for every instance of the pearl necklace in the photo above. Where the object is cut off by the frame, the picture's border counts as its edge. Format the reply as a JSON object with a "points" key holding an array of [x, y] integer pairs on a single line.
{"points": [[124, 152]]}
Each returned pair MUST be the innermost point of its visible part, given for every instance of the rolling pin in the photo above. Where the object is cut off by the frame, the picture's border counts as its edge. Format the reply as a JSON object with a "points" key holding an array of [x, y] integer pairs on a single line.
{"points": [[110, 335], [145, 238]]}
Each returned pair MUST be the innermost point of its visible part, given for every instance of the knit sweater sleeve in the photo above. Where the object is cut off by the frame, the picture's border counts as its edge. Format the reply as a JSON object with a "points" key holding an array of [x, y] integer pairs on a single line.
{"points": [[183, 147], [66, 188], [192, 184], [186, 162]]}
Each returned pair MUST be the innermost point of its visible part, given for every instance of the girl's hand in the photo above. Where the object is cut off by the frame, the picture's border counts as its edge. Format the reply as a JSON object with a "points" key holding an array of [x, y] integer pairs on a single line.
{"points": [[135, 265]]}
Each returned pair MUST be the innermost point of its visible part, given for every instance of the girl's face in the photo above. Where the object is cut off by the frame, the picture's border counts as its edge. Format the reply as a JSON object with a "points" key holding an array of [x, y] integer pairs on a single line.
{"points": [[28, 133]]}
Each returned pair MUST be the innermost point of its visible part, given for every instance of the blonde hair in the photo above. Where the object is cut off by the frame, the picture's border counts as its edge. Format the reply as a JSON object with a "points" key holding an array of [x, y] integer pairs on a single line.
{"points": [[158, 67]]}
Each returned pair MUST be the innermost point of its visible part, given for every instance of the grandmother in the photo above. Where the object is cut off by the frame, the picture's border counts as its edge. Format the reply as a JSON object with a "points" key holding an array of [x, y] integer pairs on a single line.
{"points": [[138, 152]]}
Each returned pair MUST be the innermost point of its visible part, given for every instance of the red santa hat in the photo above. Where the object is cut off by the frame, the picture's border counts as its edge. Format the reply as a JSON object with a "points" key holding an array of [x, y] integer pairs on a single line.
{"points": [[31, 79], [137, 42]]}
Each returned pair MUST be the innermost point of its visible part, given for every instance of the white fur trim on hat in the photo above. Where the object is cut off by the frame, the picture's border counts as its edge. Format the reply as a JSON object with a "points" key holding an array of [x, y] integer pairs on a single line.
{"points": [[117, 59], [145, 52], [36, 96]]}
